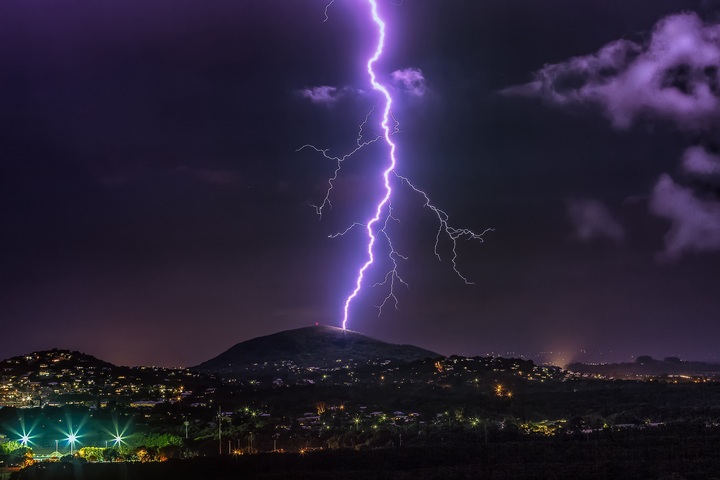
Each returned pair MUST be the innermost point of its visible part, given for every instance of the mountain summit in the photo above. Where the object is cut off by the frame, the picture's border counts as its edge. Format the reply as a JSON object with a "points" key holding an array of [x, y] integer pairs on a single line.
{"points": [[318, 346]]}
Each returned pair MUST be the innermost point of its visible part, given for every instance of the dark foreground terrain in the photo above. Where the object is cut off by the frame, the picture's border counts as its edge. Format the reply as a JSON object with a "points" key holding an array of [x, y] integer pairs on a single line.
{"points": [[662, 455]]}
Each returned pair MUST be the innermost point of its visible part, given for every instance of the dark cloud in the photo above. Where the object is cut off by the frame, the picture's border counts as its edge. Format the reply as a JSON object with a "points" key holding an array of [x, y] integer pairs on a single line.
{"points": [[674, 76], [699, 161], [695, 221], [592, 220], [323, 95], [411, 80], [214, 176]]}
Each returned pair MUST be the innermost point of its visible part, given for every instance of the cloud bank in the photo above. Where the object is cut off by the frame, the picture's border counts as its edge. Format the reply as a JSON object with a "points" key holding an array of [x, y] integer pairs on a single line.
{"points": [[673, 77]]}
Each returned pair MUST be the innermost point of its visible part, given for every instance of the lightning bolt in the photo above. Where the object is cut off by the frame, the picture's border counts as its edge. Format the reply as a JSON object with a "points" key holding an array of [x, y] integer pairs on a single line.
{"points": [[386, 174], [327, 7], [376, 227]]}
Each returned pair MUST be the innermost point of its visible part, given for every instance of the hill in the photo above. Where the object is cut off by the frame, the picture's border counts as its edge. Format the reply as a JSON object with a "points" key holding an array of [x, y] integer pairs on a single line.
{"points": [[646, 366], [310, 347], [52, 362], [61, 377]]}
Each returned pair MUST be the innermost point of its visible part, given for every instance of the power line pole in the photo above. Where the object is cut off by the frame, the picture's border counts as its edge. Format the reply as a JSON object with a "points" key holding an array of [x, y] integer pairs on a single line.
{"points": [[219, 430]]}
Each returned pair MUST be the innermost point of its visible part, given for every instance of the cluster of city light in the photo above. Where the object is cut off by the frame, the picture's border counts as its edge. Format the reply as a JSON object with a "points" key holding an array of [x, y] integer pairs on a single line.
{"points": [[501, 391]]}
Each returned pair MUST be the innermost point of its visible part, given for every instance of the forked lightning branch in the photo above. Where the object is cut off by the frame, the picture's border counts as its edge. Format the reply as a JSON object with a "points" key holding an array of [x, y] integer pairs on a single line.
{"points": [[376, 226]]}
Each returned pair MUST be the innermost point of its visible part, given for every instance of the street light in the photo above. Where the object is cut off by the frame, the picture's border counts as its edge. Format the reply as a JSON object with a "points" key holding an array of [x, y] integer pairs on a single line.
{"points": [[72, 438], [117, 434], [24, 435]]}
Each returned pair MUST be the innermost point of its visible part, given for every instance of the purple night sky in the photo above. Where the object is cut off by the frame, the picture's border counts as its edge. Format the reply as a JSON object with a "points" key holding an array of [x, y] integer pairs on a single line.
{"points": [[156, 210]]}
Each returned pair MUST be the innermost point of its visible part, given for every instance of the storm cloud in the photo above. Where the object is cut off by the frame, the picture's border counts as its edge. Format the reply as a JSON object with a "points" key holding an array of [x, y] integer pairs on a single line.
{"points": [[674, 76], [698, 161], [323, 94], [592, 220], [411, 80], [695, 221]]}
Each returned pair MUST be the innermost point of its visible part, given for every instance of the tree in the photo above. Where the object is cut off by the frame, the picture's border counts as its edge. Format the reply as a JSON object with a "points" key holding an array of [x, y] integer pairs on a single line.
{"points": [[167, 452], [110, 454], [92, 454], [157, 440], [10, 447]]}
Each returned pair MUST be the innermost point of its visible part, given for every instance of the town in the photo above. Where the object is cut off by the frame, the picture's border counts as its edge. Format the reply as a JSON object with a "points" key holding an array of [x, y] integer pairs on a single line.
{"points": [[59, 404]]}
